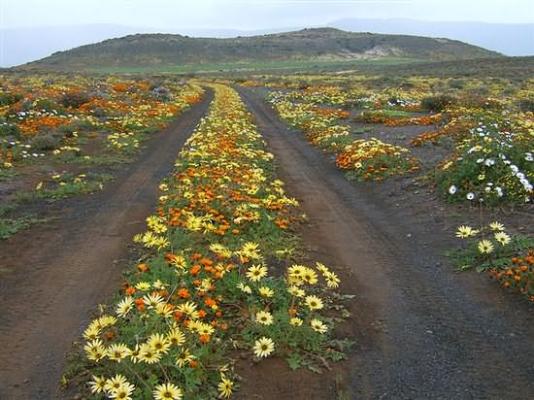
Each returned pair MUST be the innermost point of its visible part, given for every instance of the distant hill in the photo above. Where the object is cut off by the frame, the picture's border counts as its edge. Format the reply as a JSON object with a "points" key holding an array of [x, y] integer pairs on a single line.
{"points": [[506, 38], [157, 50]]}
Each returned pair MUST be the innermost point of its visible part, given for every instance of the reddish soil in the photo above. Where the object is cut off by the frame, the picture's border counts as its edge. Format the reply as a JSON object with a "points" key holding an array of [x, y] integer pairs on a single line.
{"points": [[53, 276], [423, 330]]}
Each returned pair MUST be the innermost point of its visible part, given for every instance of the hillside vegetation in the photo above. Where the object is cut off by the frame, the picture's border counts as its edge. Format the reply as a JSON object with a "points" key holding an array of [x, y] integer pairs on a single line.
{"points": [[322, 44]]}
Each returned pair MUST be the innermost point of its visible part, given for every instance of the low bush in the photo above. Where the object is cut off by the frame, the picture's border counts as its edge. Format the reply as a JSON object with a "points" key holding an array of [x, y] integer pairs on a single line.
{"points": [[437, 103], [492, 165]]}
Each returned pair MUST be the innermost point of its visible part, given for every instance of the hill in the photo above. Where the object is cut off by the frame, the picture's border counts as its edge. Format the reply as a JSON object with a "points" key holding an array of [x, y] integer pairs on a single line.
{"points": [[319, 44], [506, 38]]}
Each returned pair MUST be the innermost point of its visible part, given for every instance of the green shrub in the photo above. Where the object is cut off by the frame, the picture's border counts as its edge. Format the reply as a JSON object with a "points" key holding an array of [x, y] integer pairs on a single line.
{"points": [[46, 105], [7, 129], [437, 103], [46, 142], [491, 166], [74, 99], [8, 98], [526, 105]]}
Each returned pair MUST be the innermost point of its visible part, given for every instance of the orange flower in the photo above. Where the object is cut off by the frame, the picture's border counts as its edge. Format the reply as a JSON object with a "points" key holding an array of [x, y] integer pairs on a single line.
{"points": [[204, 338], [130, 290], [143, 267], [193, 363], [139, 303], [195, 269], [206, 262], [210, 302]]}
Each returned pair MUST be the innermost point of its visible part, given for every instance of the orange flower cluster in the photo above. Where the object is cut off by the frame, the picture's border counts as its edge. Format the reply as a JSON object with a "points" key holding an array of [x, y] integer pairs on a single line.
{"points": [[32, 126], [382, 117], [36, 105], [519, 276], [455, 128], [331, 112]]}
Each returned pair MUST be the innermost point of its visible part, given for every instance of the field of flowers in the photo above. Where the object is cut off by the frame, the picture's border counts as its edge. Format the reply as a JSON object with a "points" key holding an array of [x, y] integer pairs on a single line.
{"points": [[218, 277], [363, 159], [60, 136], [51, 115], [485, 127]]}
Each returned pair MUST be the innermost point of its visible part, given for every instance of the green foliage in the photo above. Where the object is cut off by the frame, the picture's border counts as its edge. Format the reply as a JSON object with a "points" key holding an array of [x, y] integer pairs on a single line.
{"points": [[8, 98], [489, 248], [437, 103], [491, 166], [8, 129], [10, 226], [149, 51], [46, 142], [68, 185], [526, 105], [380, 116]]}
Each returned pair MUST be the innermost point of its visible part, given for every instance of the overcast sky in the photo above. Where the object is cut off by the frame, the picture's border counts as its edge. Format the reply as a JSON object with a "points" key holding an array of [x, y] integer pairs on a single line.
{"points": [[252, 14]]}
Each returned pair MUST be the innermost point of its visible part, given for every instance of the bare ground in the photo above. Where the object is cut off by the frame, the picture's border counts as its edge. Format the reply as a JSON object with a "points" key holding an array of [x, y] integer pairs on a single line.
{"points": [[53, 276], [423, 330]]}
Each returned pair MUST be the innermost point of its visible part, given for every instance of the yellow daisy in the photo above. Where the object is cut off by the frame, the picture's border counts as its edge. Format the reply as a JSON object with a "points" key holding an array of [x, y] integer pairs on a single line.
{"points": [[263, 347], [167, 391]]}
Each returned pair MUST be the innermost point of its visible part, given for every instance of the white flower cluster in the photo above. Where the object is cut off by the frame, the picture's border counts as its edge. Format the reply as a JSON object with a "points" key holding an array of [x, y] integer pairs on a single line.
{"points": [[491, 146]]}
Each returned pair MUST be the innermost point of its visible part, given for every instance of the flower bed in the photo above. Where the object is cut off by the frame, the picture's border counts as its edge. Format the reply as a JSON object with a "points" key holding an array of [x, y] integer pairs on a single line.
{"points": [[363, 159], [492, 165], [216, 278], [508, 258], [41, 114], [375, 160]]}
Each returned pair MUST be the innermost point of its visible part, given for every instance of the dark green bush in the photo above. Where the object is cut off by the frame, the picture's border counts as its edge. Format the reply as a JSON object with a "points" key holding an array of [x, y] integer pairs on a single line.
{"points": [[46, 142], [6, 99], [74, 99], [437, 103], [7, 129], [526, 105], [47, 105]]}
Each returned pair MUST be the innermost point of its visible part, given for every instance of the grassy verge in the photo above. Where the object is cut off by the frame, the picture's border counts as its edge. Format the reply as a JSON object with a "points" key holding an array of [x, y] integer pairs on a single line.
{"points": [[289, 65]]}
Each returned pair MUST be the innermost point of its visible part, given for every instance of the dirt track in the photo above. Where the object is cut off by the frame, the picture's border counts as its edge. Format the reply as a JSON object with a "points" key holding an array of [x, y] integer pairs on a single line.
{"points": [[52, 277], [423, 330]]}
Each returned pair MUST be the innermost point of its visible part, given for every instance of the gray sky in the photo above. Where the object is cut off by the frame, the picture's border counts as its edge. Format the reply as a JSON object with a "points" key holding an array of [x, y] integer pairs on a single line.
{"points": [[252, 14]]}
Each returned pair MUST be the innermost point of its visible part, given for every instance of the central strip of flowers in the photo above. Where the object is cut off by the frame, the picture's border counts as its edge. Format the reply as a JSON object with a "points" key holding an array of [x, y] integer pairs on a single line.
{"points": [[217, 278]]}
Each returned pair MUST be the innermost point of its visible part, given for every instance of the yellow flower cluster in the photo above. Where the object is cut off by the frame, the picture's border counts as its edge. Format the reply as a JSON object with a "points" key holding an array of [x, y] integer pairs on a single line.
{"points": [[221, 216]]}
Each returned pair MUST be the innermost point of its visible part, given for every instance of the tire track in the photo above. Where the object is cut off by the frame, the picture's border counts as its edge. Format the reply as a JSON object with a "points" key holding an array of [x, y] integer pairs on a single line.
{"points": [[424, 331], [54, 275]]}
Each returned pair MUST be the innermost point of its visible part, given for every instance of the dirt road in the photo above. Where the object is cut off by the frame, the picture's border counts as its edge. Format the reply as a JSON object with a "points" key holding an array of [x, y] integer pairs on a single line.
{"points": [[52, 277], [423, 330]]}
